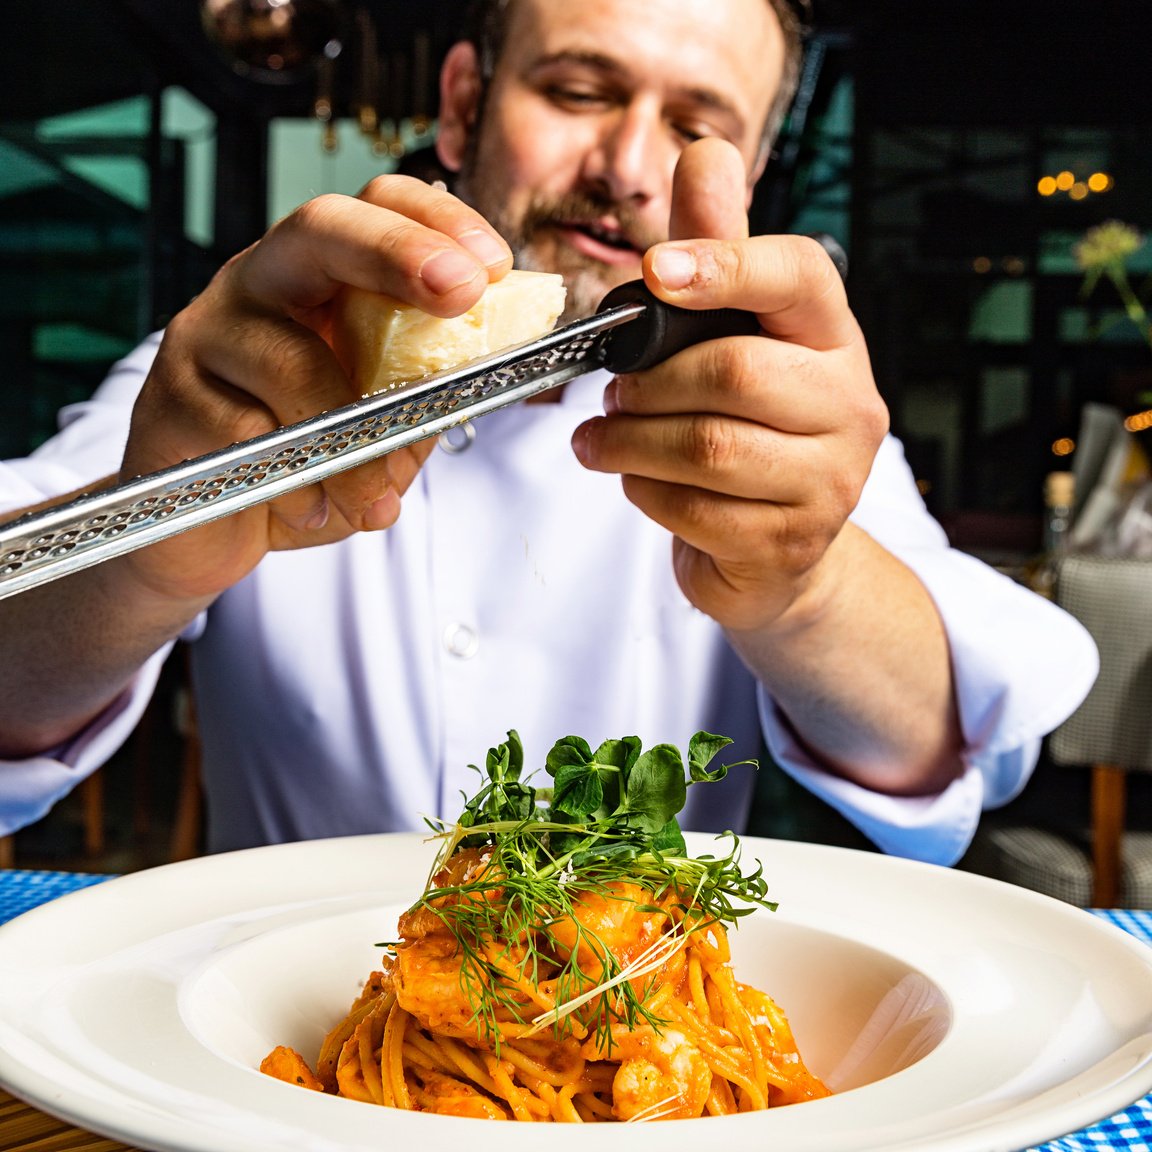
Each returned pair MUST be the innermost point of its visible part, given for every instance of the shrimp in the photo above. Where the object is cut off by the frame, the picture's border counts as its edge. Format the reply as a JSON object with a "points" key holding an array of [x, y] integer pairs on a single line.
{"points": [[451, 1097], [430, 984], [428, 975], [466, 866], [617, 921], [288, 1065], [662, 1074]]}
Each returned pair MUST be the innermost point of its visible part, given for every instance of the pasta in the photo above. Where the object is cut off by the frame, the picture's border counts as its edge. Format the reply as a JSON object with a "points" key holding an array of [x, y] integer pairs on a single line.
{"points": [[561, 993]]}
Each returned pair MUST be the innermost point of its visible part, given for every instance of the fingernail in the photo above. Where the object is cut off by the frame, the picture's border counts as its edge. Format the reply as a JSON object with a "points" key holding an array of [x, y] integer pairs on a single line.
{"points": [[448, 269], [584, 442], [485, 247], [674, 267], [611, 396], [580, 443]]}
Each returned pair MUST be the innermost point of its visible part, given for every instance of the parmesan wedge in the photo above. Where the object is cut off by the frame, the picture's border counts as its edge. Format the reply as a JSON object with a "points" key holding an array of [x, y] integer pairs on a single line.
{"points": [[382, 342]]}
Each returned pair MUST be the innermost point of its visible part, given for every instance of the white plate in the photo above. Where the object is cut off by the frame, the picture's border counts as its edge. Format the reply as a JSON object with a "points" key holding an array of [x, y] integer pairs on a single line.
{"points": [[952, 1013]]}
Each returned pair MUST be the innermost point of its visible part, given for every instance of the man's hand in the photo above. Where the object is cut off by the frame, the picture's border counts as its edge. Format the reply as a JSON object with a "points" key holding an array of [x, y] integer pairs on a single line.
{"points": [[753, 452], [250, 354]]}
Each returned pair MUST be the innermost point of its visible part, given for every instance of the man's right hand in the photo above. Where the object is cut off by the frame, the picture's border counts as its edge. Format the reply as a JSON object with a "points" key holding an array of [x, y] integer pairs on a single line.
{"points": [[251, 354], [246, 356]]}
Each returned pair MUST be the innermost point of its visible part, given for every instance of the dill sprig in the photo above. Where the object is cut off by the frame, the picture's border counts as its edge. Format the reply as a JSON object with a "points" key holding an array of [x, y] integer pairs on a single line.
{"points": [[610, 815]]}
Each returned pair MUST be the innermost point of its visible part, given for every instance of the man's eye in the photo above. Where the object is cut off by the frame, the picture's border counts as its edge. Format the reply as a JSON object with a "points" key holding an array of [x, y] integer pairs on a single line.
{"points": [[576, 97], [690, 130]]}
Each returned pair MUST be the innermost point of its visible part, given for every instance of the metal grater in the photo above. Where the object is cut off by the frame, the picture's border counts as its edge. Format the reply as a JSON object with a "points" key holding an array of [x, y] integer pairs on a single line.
{"points": [[45, 545]]}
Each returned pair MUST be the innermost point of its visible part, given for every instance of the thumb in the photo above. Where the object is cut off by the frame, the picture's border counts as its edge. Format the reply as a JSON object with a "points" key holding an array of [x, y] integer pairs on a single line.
{"points": [[709, 193]]}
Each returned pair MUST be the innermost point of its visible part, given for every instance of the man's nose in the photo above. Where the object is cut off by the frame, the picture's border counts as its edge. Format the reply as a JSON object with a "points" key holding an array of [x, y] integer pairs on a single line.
{"points": [[635, 155]]}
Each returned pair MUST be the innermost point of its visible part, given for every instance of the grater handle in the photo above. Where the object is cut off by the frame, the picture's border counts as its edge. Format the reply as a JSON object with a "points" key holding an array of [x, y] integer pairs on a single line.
{"points": [[662, 329]]}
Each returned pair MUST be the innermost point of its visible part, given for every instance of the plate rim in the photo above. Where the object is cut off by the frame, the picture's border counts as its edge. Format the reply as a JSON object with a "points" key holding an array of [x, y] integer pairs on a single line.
{"points": [[24, 1083]]}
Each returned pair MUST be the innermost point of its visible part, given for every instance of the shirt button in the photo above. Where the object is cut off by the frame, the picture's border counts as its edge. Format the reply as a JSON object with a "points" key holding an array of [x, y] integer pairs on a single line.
{"points": [[461, 641], [458, 438]]}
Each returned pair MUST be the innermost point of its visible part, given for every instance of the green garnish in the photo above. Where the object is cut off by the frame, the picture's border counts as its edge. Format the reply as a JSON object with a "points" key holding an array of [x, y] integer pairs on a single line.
{"points": [[610, 815]]}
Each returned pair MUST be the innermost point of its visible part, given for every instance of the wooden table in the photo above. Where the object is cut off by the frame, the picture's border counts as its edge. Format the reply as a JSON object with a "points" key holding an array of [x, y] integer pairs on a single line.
{"points": [[30, 1130]]}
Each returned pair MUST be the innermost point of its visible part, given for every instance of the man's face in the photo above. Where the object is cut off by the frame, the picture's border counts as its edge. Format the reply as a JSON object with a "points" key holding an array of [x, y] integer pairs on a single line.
{"points": [[586, 116]]}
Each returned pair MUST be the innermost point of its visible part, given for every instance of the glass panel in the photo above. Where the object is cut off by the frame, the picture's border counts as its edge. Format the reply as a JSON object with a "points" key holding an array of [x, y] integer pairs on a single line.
{"points": [[965, 274], [1002, 314], [300, 167], [91, 259], [1004, 400]]}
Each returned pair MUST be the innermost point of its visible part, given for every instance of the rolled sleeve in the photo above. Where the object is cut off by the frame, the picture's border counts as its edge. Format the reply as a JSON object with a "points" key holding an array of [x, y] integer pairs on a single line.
{"points": [[88, 446], [30, 787], [936, 829], [1020, 667]]}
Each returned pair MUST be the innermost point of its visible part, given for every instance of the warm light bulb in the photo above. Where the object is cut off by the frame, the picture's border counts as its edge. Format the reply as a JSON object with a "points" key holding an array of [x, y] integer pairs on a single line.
{"points": [[1100, 182], [1046, 185], [1065, 446], [1078, 191], [1065, 180]]}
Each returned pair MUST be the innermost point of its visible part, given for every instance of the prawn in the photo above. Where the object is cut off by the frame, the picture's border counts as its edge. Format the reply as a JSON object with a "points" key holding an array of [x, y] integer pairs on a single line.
{"points": [[662, 1074], [622, 921], [451, 1097], [428, 975], [430, 984]]}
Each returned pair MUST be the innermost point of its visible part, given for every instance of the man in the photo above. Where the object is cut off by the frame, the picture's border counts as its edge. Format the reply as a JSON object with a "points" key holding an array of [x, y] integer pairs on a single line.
{"points": [[768, 573]]}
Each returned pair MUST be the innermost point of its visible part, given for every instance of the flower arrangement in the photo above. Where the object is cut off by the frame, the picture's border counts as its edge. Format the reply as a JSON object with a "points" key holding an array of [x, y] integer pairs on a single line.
{"points": [[1104, 251]]}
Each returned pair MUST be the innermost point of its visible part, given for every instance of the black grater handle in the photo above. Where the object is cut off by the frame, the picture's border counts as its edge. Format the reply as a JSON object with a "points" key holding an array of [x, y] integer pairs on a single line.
{"points": [[662, 330]]}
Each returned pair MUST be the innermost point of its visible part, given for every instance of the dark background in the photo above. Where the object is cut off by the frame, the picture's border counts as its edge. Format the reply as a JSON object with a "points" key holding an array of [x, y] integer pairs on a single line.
{"points": [[955, 109], [921, 131]]}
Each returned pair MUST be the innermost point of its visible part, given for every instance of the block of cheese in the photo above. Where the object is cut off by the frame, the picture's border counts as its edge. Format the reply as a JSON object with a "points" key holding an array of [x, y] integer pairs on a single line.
{"points": [[382, 342]]}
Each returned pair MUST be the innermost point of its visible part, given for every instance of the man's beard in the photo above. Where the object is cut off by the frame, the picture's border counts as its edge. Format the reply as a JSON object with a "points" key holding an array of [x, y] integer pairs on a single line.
{"points": [[537, 247], [586, 278]]}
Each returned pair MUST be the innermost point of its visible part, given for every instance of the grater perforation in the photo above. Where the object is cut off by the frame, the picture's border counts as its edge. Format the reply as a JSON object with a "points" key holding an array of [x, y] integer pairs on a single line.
{"points": [[53, 542]]}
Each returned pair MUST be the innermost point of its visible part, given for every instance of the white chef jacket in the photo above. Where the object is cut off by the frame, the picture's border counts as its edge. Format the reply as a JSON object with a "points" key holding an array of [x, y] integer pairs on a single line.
{"points": [[348, 688]]}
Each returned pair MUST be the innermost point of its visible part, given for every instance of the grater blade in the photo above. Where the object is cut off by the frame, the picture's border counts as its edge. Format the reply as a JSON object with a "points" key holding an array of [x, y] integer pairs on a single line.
{"points": [[53, 542]]}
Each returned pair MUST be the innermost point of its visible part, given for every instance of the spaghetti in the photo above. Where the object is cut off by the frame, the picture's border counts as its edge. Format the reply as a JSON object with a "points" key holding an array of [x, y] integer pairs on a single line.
{"points": [[543, 979]]}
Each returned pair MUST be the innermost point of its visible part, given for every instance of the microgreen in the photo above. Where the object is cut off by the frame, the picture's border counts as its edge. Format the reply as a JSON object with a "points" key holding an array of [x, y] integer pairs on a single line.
{"points": [[609, 815]]}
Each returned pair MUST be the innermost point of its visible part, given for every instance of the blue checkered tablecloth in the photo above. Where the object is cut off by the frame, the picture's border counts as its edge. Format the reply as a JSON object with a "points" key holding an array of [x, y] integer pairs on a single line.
{"points": [[1130, 1130], [21, 891], [1127, 1131]]}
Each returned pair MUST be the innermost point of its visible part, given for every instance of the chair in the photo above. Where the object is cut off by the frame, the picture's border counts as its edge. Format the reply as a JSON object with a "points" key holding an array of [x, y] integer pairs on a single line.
{"points": [[91, 792], [188, 820], [1110, 734]]}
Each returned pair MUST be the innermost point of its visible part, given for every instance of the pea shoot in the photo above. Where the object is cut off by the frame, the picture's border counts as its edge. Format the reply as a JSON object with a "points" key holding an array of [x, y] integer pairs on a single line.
{"points": [[610, 815]]}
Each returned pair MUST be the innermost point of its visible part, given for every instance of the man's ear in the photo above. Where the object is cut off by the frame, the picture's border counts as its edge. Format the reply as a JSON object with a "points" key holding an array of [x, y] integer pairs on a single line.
{"points": [[460, 87]]}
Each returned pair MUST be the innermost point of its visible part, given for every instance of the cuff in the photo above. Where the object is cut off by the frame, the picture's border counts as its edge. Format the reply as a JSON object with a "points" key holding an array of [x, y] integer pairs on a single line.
{"points": [[30, 787], [936, 829]]}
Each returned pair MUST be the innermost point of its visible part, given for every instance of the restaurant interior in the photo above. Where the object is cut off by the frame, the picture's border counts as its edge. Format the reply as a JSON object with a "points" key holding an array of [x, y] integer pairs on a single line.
{"points": [[959, 151]]}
